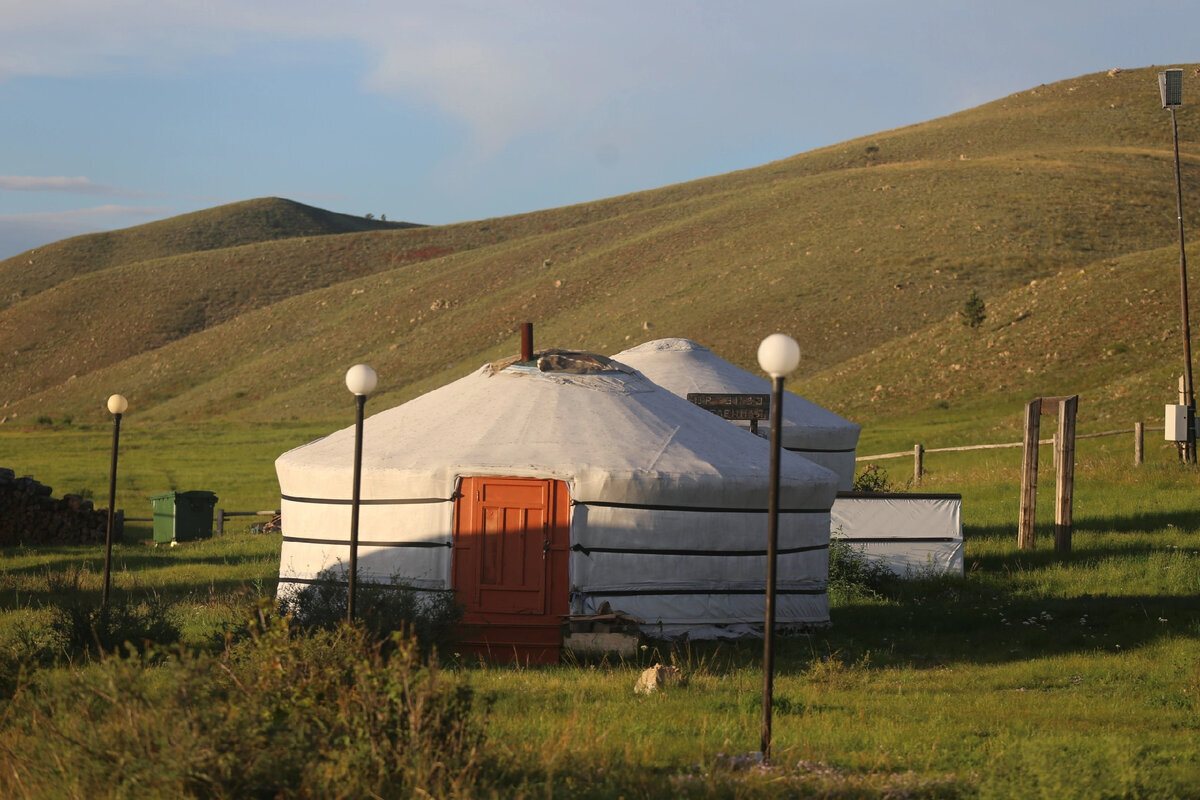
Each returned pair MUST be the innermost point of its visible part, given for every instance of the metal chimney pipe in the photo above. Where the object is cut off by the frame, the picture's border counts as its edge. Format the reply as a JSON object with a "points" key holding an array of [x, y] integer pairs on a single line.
{"points": [[527, 341]]}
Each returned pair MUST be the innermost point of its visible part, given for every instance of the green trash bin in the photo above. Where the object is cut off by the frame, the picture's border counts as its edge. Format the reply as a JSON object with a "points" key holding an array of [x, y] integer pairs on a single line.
{"points": [[183, 516]]}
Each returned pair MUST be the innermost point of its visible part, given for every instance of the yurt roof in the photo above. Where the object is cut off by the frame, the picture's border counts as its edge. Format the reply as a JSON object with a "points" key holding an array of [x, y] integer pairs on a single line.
{"points": [[612, 434], [682, 366]]}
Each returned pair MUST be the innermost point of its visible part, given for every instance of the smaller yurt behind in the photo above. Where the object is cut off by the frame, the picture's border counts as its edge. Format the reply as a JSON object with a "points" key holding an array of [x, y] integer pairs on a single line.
{"points": [[559, 487], [683, 367]]}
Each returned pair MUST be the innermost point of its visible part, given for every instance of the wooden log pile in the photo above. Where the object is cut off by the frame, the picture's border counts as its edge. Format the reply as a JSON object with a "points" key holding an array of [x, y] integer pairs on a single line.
{"points": [[29, 514]]}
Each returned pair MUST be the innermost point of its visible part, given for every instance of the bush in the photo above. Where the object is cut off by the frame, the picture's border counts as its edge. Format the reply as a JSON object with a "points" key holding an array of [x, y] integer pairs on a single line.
{"points": [[431, 617], [874, 478], [974, 311], [91, 631], [330, 714], [81, 628], [853, 576]]}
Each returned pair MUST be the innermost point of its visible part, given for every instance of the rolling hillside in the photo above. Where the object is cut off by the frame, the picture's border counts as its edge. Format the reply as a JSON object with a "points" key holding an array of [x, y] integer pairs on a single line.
{"points": [[236, 224], [1055, 204]]}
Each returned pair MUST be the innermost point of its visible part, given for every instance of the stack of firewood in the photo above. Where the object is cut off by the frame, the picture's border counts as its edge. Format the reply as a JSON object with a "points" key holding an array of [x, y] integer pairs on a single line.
{"points": [[29, 514]]}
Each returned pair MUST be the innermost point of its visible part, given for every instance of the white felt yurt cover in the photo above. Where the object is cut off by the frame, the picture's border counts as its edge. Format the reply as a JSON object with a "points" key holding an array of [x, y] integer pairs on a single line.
{"points": [[682, 367], [668, 501]]}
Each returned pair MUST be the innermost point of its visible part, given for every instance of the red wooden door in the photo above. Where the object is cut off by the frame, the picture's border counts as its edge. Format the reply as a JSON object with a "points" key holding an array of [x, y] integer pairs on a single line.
{"points": [[511, 541]]}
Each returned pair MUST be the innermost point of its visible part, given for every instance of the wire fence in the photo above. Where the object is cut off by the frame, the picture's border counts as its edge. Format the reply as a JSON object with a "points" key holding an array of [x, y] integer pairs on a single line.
{"points": [[918, 452]]}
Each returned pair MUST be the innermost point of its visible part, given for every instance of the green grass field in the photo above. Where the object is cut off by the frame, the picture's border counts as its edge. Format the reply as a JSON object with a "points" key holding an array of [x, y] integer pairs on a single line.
{"points": [[1036, 675], [236, 462]]}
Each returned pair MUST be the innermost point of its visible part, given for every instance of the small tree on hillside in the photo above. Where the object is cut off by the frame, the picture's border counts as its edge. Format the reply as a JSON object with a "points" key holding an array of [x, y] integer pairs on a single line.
{"points": [[974, 311]]}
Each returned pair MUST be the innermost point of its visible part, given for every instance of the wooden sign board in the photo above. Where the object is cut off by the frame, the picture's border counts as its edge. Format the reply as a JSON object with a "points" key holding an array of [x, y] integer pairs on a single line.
{"points": [[734, 406]]}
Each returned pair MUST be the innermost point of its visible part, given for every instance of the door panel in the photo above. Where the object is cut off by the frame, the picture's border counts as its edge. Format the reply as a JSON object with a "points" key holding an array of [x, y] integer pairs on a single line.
{"points": [[511, 536], [512, 575]]}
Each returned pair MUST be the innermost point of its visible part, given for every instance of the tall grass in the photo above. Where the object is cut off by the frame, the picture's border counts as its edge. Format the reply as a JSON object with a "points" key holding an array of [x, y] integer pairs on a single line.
{"points": [[328, 715]]}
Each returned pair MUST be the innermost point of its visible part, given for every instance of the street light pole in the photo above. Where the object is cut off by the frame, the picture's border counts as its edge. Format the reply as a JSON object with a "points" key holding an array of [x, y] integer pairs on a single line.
{"points": [[1170, 85], [361, 381], [778, 355], [117, 405]]}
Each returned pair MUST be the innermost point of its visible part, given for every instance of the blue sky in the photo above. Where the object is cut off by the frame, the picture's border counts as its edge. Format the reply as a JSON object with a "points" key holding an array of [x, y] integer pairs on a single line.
{"points": [[119, 112]]}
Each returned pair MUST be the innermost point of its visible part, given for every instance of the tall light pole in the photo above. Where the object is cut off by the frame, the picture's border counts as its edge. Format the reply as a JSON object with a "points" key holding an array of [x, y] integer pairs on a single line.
{"points": [[117, 405], [1170, 88], [361, 381], [778, 355]]}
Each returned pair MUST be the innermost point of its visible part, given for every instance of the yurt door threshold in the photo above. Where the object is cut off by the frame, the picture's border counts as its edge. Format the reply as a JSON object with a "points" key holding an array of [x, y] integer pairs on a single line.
{"points": [[511, 548]]}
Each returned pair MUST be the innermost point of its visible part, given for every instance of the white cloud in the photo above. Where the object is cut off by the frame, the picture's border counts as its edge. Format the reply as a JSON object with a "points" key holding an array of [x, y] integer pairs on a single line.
{"points": [[21, 232], [505, 70], [660, 72], [88, 216], [76, 185]]}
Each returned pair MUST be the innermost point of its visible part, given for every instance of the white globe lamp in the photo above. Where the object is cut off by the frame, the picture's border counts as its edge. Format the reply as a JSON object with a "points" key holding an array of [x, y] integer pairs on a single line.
{"points": [[361, 379], [779, 355]]}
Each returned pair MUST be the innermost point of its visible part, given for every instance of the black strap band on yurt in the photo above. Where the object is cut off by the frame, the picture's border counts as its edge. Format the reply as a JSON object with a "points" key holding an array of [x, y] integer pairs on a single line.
{"points": [[346, 542], [696, 509], [643, 551], [338, 501], [647, 592]]}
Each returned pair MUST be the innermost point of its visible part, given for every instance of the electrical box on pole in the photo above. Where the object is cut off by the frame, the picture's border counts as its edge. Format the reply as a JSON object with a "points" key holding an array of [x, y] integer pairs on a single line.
{"points": [[1170, 88], [1179, 422]]}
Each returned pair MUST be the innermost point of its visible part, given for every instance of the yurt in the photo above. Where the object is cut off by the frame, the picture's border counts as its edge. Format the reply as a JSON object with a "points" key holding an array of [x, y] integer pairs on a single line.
{"points": [[547, 489], [683, 367]]}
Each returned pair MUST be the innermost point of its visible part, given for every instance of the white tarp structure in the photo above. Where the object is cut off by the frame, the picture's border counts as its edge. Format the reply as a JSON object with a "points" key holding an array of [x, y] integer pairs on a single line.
{"points": [[913, 534], [668, 502], [681, 366]]}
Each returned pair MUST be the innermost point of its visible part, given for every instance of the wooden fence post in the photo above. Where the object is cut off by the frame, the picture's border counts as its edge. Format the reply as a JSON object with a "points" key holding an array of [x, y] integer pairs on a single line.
{"points": [[220, 522], [1029, 470], [1064, 483], [1139, 442], [918, 462]]}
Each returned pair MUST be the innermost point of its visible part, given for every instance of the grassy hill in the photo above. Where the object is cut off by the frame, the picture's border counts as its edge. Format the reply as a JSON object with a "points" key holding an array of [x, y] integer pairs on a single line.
{"points": [[1055, 204], [248, 222]]}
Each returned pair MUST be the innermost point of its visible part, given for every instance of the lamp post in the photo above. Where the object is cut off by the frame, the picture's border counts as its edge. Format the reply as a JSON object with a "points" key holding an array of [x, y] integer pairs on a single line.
{"points": [[778, 355], [1170, 88], [117, 404], [361, 381]]}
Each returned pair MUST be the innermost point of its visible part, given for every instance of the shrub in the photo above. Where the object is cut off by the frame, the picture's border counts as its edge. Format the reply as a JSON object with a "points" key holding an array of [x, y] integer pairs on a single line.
{"points": [[330, 714], [874, 478], [92, 631], [382, 609], [81, 628], [853, 576], [974, 311]]}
